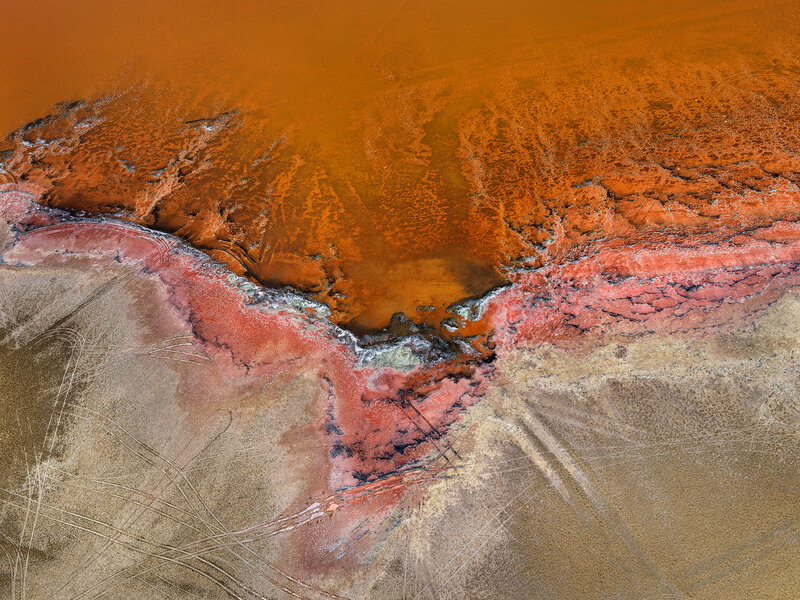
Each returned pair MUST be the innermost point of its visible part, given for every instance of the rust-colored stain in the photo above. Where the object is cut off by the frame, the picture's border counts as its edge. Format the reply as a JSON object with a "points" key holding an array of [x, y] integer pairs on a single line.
{"points": [[400, 156]]}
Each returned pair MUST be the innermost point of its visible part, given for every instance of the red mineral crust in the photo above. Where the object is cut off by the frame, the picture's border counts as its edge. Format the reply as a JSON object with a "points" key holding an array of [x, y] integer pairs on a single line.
{"points": [[675, 283], [379, 418]]}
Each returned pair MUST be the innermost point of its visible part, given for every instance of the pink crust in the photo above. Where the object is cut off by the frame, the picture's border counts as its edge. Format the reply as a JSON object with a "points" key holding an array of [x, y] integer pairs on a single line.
{"points": [[642, 288], [382, 419], [378, 419]]}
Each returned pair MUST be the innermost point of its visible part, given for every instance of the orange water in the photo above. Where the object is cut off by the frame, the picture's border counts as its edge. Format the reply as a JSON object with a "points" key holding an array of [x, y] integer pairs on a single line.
{"points": [[418, 148]]}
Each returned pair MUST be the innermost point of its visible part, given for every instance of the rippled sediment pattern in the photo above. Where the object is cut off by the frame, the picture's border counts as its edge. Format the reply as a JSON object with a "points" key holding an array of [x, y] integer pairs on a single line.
{"points": [[540, 336]]}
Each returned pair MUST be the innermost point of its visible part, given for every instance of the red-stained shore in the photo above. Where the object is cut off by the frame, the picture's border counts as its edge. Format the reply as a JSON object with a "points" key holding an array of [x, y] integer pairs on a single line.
{"points": [[381, 422], [380, 419], [648, 288]]}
